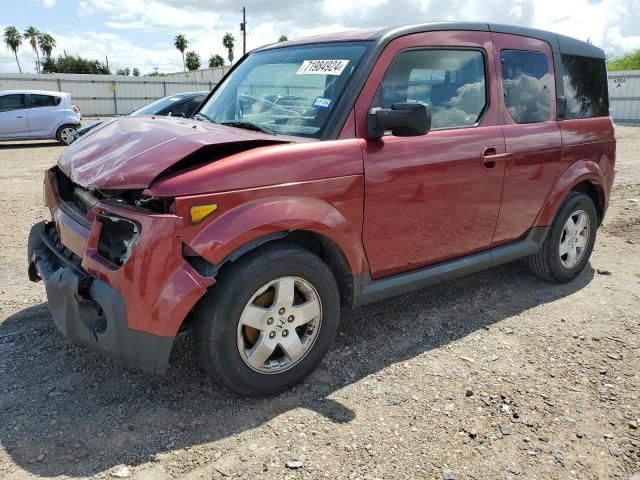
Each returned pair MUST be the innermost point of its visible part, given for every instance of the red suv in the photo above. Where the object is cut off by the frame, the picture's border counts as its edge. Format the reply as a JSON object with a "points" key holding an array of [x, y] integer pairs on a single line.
{"points": [[325, 173]]}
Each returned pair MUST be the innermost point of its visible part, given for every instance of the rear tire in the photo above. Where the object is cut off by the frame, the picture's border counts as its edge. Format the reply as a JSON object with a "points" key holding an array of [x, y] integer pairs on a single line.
{"points": [[568, 246], [65, 133], [245, 316]]}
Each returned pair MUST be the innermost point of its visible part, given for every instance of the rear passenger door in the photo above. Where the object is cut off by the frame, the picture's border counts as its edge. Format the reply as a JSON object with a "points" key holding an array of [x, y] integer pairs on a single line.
{"points": [[13, 116], [44, 114], [531, 131]]}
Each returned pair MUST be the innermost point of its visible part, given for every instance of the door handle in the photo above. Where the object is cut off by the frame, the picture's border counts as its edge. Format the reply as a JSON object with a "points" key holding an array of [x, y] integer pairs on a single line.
{"points": [[19, 116], [490, 157]]}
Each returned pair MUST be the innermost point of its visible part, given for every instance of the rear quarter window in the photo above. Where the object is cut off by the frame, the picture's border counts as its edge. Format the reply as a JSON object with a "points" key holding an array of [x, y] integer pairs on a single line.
{"points": [[527, 85], [585, 87]]}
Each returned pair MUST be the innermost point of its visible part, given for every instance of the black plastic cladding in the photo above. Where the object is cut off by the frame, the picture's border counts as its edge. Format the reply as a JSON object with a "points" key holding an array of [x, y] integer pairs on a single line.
{"points": [[559, 45]]}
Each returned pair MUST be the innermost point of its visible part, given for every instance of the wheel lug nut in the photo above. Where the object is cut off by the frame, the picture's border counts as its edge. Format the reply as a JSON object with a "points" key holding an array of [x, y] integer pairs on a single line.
{"points": [[272, 334], [281, 311], [269, 320], [285, 333], [290, 318]]}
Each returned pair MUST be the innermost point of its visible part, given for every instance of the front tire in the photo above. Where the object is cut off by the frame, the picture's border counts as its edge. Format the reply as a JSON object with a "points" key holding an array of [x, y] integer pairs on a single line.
{"points": [[568, 246], [268, 321]]}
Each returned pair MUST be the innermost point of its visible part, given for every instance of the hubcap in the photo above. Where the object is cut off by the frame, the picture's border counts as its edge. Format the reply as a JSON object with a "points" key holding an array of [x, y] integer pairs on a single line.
{"points": [[65, 134], [574, 239], [279, 325]]}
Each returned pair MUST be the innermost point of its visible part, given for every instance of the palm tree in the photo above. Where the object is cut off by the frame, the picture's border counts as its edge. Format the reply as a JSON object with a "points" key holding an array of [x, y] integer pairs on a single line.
{"points": [[283, 38], [181, 43], [216, 61], [13, 40], [193, 61], [33, 35], [229, 42], [47, 43]]}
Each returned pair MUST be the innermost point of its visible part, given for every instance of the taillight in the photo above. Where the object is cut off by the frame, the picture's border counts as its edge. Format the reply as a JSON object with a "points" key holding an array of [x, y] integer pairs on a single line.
{"points": [[75, 108]]}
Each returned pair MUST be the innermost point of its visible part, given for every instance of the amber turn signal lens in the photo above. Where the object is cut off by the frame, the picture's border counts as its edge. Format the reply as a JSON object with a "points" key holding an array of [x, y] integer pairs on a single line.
{"points": [[198, 213]]}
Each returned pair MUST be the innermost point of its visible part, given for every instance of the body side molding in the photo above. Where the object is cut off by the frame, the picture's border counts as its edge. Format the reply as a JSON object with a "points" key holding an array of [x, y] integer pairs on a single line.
{"points": [[368, 291]]}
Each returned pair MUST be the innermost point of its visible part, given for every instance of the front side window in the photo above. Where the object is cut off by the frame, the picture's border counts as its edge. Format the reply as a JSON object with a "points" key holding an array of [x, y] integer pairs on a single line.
{"points": [[527, 85], [11, 102], [450, 82], [289, 90], [585, 87], [39, 101]]}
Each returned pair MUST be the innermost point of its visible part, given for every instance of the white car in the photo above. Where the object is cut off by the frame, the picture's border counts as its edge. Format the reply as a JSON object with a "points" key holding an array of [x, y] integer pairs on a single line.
{"points": [[37, 115]]}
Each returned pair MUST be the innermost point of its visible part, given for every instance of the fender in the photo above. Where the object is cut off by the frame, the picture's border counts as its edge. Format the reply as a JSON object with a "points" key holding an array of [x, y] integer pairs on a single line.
{"points": [[578, 172], [337, 216]]}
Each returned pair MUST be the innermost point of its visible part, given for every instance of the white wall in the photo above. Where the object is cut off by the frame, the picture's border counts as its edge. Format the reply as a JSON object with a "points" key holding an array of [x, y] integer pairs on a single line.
{"points": [[624, 96], [99, 95]]}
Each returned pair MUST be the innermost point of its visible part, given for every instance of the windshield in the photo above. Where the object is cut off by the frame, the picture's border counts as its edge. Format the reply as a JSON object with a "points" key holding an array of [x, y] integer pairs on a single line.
{"points": [[290, 90], [155, 107]]}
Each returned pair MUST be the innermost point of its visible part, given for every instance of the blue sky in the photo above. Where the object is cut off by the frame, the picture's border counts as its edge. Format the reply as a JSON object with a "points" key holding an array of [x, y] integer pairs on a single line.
{"points": [[139, 33]]}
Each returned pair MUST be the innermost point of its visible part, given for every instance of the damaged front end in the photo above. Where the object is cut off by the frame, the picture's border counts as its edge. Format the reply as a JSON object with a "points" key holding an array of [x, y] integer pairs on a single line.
{"points": [[114, 272]]}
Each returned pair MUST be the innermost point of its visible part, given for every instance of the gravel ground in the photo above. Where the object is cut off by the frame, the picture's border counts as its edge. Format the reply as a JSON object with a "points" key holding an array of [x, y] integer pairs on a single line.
{"points": [[498, 375]]}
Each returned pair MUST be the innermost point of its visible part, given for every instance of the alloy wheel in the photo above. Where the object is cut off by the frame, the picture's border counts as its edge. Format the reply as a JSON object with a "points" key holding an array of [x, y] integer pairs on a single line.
{"points": [[574, 239], [279, 325]]}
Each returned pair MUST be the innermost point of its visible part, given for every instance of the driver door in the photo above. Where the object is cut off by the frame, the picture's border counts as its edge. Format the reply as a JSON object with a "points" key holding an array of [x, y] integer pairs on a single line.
{"points": [[433, 197]]}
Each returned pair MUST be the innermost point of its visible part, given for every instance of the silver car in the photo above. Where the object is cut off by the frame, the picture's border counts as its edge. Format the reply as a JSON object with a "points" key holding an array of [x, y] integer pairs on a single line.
{"points": [[37, 115]]}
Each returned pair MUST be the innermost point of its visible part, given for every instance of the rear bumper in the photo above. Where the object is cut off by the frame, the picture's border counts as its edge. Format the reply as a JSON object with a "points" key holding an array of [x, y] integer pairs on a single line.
{"points": [[88, 311]]}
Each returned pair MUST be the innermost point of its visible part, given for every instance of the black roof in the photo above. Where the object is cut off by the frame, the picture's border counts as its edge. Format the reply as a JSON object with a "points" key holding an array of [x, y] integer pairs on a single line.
{"points": [[559, 43]]}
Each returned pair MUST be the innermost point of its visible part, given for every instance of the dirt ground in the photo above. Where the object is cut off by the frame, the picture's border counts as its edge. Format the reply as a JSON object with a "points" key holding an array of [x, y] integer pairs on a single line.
{"points": [[498, 375]]}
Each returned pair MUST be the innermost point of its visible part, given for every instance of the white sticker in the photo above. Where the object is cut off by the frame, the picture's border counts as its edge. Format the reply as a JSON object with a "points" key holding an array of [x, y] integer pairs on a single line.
{"points": [[322, 67]]}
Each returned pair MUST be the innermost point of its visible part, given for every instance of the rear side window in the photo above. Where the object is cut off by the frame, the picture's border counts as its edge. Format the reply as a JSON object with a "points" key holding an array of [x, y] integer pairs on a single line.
{"points": [[451, 82], [527, 85], [11, 102], [585, 87], [38, 101]]}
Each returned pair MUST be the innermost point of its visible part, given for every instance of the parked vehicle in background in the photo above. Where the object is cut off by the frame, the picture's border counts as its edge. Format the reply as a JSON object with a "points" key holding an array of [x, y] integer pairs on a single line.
{"points": [[423, 153], [37, 115], [179, 105]]}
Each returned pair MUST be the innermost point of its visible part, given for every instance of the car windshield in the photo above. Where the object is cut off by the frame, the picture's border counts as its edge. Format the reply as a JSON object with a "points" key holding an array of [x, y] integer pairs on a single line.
{"points": [[288, 90], [154, 107]]}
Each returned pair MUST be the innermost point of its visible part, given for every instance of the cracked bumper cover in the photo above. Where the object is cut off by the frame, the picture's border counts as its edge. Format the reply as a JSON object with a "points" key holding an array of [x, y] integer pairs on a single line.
{"points": [[89, 312]]}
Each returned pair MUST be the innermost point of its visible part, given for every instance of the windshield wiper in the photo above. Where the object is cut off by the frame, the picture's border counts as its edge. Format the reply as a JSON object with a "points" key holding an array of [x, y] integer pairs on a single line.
{"points": [[249, 126], [201, 117]]}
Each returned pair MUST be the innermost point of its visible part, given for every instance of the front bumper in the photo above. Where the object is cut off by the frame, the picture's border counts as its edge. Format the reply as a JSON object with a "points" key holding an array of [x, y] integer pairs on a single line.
{"points": [[89, 312], [129, 312]]}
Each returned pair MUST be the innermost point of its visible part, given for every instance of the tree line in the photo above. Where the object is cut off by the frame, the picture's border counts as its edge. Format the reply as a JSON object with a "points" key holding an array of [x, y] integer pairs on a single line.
{"points": [[43, 43], [630, 61]]}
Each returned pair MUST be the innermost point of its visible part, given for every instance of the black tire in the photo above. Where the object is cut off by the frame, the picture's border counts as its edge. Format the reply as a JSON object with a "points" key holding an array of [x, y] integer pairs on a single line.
{"points": [[61, 134], [218, 313], [546, 263]]}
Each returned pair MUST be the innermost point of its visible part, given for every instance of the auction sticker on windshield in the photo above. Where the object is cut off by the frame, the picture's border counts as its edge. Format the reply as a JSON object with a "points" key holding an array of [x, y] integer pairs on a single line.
{"points": [[322, 67]]}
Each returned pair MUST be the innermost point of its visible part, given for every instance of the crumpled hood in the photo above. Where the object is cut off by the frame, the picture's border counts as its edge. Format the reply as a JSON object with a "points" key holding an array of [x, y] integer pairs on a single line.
{"points": [[131, 152]]}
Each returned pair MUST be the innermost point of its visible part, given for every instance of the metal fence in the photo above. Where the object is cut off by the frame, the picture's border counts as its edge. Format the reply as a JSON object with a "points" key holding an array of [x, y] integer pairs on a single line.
{"points": [[624, 96], [102, 95]]}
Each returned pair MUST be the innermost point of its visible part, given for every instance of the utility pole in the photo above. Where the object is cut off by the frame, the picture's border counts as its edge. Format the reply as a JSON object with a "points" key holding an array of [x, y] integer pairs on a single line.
{"points": [[243, 29], [106, 59]]}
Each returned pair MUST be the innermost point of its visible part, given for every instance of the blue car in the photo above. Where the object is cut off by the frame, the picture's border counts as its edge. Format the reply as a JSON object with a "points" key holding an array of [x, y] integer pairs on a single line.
{"points": [[179, 105]]}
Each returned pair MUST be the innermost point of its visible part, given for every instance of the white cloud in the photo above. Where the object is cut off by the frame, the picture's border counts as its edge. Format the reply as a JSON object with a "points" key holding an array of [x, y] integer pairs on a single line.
{"points": [[139, 33], [49, 3]]}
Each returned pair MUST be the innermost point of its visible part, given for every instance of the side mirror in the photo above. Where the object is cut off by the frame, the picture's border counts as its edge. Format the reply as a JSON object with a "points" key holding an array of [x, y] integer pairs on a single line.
{"points": [[403, 119]]}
